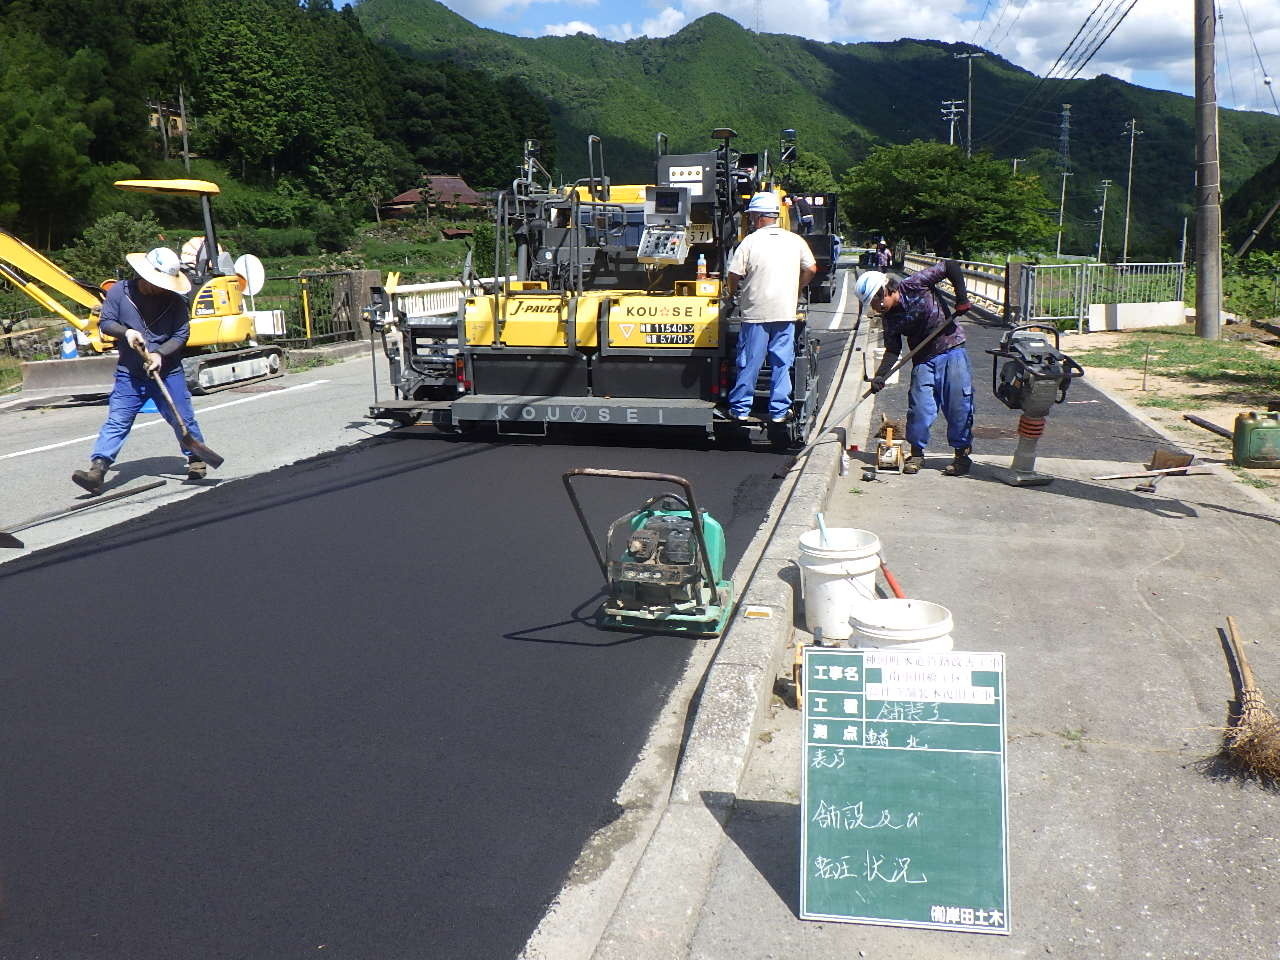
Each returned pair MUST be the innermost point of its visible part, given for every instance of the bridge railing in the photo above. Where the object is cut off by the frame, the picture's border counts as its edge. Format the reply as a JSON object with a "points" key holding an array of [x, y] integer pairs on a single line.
{"points": [[1096, 296]]}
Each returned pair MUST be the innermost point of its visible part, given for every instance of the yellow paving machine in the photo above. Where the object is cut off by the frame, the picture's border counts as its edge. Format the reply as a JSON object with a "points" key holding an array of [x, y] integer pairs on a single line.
{"points": [[222, 350], [609, 308]]}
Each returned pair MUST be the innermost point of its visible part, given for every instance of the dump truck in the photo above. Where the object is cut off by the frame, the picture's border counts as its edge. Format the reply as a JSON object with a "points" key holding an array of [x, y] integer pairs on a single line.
{"points": [[222, 350], [609, 309]]}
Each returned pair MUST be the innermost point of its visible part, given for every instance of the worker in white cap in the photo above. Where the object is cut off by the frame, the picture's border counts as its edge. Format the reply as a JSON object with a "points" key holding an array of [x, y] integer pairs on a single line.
{"points": [[145, 314], [766, 272]]}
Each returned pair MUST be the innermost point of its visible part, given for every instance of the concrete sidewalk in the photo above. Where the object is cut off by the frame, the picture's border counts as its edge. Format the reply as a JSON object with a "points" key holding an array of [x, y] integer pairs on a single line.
{"points": [[1126, 838]]}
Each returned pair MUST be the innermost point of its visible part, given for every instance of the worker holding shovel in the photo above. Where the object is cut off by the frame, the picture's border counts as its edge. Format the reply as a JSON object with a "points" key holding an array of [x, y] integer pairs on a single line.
{"points": [[941, 378], [148, 316]]}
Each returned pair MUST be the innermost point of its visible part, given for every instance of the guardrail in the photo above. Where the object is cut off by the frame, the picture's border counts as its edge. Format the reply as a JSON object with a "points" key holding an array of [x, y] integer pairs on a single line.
{"points": [[1094, 295], [437, 299], [987, 282]]}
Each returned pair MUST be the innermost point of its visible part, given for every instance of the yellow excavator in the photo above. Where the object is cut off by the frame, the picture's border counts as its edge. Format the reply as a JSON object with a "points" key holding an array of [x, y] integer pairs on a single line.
{"points": [[221, 351]]}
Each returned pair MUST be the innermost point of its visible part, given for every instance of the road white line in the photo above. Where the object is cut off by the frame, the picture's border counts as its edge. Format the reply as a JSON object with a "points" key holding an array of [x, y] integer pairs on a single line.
{"points": [[844, 297], [151, 423]]}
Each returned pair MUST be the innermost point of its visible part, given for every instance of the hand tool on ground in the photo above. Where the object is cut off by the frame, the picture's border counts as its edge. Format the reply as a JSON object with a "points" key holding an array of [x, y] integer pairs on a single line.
{"points": [[185, 438], [8, 540], [890, 452], [663, 569], [1254, 739], [1152, 473]]}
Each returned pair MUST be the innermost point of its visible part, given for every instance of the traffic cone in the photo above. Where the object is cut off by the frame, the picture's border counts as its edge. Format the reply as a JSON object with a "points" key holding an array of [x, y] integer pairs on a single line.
{"points": [[69, 349]]}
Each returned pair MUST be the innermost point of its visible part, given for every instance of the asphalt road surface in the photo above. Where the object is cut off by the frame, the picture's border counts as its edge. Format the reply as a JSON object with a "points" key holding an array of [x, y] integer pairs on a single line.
{"points": [[355, 705]]}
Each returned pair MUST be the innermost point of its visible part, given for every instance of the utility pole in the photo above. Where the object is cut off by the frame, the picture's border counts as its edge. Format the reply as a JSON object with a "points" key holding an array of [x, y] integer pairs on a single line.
{"points": [[968, 138], [1208, 193], [1062, 206], [1132, 129], [1016, 161], [951, 111], [1102, 223]]}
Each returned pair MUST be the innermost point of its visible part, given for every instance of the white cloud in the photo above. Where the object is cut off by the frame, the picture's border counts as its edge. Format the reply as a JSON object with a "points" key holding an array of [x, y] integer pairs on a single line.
{"points": [[569, 29], [664, 24]]}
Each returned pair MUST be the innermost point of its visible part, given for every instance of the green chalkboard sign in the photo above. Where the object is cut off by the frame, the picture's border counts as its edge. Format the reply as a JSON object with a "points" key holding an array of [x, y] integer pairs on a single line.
{"points": [[904, 789]]}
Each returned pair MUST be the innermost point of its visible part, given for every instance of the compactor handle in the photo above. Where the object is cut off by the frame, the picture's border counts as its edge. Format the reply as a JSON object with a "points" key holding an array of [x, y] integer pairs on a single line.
{"points": [[637, 475]]}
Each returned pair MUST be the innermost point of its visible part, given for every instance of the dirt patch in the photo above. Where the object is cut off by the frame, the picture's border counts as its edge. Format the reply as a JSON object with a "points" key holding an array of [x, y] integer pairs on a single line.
{"points": [[1164, 399]]}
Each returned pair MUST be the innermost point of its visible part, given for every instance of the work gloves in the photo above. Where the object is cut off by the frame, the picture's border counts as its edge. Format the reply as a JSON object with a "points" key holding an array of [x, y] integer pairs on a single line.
{"points": [[962, 306], [877, 384]]}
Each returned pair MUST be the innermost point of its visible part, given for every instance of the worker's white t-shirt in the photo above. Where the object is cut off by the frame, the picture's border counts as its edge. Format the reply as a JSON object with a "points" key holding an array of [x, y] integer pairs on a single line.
{"points": [[769, 261]]}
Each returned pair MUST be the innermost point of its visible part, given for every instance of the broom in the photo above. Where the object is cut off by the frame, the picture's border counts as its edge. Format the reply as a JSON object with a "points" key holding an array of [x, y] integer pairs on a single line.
{"points": [[1254, 740]]}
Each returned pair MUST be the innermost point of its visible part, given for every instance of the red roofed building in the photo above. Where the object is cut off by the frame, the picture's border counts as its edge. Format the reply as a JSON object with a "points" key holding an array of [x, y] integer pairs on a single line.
{"points": [[442, 191]]}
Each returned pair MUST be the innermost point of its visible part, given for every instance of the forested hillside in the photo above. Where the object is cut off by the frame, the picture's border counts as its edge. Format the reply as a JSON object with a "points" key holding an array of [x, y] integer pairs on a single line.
{"points": [[843, 98], [315, 122]]}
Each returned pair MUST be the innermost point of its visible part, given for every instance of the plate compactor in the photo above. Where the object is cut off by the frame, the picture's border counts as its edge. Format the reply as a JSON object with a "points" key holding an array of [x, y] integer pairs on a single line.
{"points": [[663, 572]]}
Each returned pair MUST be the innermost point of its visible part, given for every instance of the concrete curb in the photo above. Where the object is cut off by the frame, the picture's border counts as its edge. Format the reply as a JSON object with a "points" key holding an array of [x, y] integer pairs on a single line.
{"points": [[329, 351], [658, 913]]}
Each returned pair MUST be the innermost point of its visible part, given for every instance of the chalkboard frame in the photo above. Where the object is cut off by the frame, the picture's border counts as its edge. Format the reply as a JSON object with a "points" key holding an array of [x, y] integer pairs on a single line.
{"points": [[904, 789]]}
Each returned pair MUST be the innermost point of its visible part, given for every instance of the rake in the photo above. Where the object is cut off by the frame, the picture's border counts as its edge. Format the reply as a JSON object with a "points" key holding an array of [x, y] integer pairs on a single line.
{"points": [[1254, 739]]}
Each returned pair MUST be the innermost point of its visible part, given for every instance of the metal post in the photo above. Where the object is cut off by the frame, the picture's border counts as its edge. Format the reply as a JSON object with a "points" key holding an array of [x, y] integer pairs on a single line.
{"points": [[1016, 161], [1208, 195], [1062, 206], [306, 306], [1182, 263], [968, 140], [1132, 127], [1102, 223], [951, 112], [182, 109]]}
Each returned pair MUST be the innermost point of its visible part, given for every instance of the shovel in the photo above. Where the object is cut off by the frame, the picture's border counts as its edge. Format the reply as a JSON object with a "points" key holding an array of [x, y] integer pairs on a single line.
{"points": [[179, 428]]}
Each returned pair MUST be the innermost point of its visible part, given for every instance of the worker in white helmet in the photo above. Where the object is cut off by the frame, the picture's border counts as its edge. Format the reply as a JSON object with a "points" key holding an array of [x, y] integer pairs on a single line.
{"points": [[767, 271]]}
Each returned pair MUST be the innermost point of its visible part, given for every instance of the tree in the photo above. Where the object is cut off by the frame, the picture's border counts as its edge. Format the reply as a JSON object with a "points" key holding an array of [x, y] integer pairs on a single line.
{"points": [[810, 173], [101, 250], [934, 196]]}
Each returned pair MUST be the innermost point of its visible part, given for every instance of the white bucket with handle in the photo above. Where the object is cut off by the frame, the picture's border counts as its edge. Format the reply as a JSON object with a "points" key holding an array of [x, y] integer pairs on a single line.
{"points": [[838, 572], [902, 625]]}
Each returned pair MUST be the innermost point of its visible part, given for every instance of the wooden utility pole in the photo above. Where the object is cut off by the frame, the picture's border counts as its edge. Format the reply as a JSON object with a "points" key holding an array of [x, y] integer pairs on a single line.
{"points": [[1208, 189], [182, 110]]}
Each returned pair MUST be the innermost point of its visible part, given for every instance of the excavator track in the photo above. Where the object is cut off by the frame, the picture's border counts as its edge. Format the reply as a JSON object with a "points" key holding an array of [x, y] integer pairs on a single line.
{"points": [[214, 372]]}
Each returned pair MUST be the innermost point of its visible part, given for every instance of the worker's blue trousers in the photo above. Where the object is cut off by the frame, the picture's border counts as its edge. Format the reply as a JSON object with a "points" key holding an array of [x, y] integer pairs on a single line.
{"points": [[777, 339], [945, 383], [127, 397]]}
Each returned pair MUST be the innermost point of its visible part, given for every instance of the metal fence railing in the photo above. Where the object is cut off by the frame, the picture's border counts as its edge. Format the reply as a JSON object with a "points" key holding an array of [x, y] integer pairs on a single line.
{"points": [[318, 307], [1061, 293]]}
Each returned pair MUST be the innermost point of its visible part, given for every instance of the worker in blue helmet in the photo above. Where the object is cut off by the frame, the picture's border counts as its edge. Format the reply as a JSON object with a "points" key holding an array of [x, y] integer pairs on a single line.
{"points": [[767, 272], [941, 377]]}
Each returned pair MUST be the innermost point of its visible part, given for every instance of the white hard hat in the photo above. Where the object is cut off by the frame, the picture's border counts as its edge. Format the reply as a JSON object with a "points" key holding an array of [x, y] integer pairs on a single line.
{"points": [[161, 267], [868, 285], [765, 204]]}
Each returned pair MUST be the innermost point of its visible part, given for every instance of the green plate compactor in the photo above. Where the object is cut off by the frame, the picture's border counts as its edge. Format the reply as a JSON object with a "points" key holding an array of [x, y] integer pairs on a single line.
{"points": [[663, 572]]}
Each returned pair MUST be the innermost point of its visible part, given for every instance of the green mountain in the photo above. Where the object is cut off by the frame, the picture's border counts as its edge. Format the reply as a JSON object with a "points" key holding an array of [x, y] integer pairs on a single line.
{"points": [[844, 99]]}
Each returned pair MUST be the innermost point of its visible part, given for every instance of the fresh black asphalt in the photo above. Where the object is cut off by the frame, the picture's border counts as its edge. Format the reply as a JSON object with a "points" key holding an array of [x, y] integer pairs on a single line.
{"points": [[354, 708]]}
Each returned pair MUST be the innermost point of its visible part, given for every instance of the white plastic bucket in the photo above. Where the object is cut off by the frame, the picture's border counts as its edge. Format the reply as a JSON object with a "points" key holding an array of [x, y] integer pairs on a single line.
{"points": [[903, 625], [838, 574]]}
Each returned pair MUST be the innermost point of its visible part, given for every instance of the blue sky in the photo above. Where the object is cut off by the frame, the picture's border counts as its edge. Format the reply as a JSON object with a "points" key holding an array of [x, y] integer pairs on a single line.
{"points": [[1152, 46]]}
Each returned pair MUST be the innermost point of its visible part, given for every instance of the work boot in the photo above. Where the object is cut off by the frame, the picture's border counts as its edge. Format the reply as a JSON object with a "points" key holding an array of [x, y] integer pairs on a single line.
{"points": [[196, 468], [959, 466], [93, 478], [914, 462]]}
